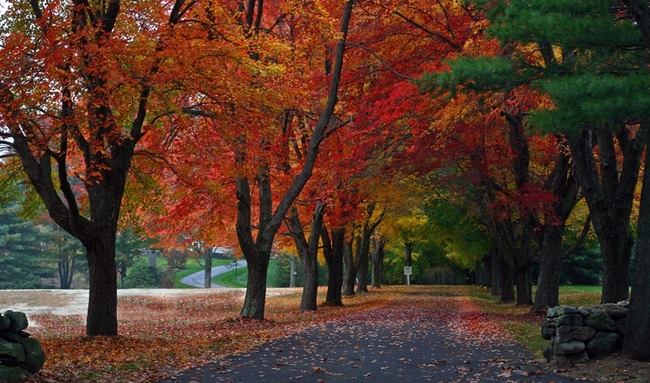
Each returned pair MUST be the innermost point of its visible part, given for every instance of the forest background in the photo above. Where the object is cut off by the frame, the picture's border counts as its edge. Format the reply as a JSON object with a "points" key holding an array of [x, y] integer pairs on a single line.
{"points": [[495, 132]]}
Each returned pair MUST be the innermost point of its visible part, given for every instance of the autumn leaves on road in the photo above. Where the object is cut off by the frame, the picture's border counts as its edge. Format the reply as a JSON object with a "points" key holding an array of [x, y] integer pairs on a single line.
{"points": [[421, 332]]}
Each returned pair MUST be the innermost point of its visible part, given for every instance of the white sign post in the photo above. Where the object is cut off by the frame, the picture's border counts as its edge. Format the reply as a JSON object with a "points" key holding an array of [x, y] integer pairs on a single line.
{"points": [[408, 271]]}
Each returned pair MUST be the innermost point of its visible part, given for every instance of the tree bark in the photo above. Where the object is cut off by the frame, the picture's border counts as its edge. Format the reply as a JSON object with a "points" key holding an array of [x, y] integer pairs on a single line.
{"points": [[548, 286], [496, 273], [635, 344], [507, 285], [333, 251], [207, 267], [378, 263], [308, 253], [350, 270], [609, 194]]}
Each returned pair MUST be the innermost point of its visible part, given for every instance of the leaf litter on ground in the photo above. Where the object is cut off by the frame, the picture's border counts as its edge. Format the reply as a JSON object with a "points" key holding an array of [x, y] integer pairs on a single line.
{"points": [[161, 336]]}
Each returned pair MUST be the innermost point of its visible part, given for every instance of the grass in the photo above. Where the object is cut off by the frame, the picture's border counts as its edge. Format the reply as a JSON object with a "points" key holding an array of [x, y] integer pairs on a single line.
{"points": [[523, 325], [192, 267], [233, 278]]}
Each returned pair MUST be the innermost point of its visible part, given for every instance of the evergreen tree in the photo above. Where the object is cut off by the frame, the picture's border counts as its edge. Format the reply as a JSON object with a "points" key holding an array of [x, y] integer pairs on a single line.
{"points": [[23, 261]]}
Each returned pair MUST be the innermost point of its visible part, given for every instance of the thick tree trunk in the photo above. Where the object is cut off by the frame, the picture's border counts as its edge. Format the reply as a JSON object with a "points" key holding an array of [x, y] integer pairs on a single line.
{"points": [[637, 339], [524, 293], [507, 285], [548, 286], [255, 298], [350, 271], [308, 252], [333, 251], [102, 300], [609, 187], [616, 248]]}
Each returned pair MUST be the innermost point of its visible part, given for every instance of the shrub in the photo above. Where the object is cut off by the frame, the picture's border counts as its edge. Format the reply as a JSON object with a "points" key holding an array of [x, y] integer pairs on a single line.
{"points": [[141, 275]]}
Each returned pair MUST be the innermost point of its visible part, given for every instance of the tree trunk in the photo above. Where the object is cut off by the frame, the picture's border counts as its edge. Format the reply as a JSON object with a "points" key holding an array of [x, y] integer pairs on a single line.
{"points": [[66, 271], [102, 299], [378, 263], [548, 286], [496, 273], [635, 344], [507, 285], [350, 271], [362, 262], [609, 187], [255, 298], [308, 252], [487, 271], [333, 251], [207, 267], [524, 293]]}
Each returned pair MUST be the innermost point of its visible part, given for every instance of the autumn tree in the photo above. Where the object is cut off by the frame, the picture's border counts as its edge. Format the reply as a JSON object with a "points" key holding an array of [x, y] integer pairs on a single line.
{"points": [[82, 83], [585, 73]]}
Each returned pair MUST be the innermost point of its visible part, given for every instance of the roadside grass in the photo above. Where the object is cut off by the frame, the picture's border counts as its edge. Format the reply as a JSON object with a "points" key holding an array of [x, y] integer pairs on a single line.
{"points": [[192, 267], [233, 278], [522, 324]]}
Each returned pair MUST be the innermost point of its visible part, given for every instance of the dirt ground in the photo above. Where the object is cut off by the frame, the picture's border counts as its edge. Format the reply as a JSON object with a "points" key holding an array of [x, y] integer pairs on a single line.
{"points": [[612, 369]]}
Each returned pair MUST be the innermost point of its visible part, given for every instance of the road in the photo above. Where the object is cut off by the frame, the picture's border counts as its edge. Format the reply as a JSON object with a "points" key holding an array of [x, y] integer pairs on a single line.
{"points": [[198, 279]]}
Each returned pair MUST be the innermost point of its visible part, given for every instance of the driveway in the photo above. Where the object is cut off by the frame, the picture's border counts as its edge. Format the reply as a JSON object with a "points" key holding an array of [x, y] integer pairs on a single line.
{"points": [[198, 279]]}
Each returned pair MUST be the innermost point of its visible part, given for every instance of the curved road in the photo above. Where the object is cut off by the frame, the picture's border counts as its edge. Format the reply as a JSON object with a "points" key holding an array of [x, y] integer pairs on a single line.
{"points": [[198, 279]]}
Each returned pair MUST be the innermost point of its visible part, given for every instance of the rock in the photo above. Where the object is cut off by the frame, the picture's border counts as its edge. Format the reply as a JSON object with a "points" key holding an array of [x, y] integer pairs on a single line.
{"points": [[604, 343], [625, 304], [548, 352], [565, 361], [600, 321], [613, 310], [584, 311], [569, 320], [4, 323], [11, 374], [11, 353], [567, 333], [560, 310], [34, 356], [11, 337], [569, 348], [548, 330], [18, 320]]}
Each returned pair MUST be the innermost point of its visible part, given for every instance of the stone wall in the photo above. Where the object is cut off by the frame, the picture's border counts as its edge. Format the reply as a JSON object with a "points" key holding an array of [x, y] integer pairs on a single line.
{"points": [[577, 334], [19, 354]]}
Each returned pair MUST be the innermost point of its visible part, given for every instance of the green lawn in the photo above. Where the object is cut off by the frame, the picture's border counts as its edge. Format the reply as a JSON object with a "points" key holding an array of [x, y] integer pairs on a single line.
{"points": [[233, 278]]}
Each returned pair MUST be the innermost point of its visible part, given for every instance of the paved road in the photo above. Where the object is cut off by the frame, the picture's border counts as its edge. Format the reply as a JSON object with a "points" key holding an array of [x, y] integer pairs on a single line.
{"points": [[198, 279], [417, 349]]}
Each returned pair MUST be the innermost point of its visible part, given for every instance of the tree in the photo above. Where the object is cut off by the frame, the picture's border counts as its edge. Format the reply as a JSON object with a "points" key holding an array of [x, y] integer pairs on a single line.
{"points": [[82, 82], [587, 72], [23, 260], [308, 252]]}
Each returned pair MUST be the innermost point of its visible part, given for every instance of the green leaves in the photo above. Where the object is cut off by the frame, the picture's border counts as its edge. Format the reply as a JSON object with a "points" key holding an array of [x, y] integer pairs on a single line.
{"points": [[589, 99]]}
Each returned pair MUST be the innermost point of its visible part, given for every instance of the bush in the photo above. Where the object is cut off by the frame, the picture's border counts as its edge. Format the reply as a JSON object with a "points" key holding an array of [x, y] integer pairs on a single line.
{"points": [[141, 275], [176, 258]]}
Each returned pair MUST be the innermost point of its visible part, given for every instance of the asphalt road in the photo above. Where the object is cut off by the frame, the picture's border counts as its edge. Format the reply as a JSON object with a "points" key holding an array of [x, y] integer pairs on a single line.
{"points": [[198, 279], [416, 350]]}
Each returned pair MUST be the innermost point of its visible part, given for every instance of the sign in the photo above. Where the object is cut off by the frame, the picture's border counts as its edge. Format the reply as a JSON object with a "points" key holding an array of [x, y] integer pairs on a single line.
{"points": [[408, 270]]}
